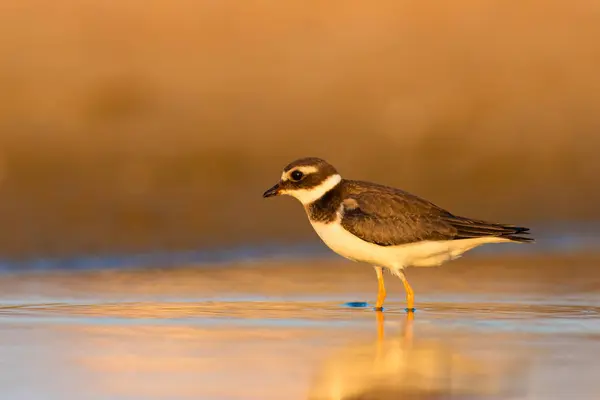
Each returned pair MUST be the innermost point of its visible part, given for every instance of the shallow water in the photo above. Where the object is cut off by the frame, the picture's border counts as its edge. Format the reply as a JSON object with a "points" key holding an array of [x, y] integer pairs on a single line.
{"points": [[502, 328]]}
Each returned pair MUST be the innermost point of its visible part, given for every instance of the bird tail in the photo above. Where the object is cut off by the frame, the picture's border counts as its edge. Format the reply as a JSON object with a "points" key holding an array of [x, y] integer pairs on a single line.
{"points": [[467, 228]]}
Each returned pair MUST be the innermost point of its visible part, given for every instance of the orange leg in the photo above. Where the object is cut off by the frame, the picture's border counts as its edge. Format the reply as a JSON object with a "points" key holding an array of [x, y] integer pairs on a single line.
{"points": [[410, 295], [381, 289]]}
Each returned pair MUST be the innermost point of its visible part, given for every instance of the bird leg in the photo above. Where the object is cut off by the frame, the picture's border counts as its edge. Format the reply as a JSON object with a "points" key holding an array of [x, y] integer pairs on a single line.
{"points": [[381, 289], [410, 295]]}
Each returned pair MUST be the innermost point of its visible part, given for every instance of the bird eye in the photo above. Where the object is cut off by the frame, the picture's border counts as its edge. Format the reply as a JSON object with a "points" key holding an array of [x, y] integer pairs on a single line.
{"points": [[297, 175]]}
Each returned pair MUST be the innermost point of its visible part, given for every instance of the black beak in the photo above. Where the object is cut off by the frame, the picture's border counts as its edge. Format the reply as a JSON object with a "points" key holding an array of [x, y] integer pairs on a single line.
{"points": [[274, 191]]}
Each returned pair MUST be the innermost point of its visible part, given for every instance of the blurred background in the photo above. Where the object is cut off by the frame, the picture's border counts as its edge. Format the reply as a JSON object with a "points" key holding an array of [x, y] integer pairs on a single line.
{"points": [[132, 126]]}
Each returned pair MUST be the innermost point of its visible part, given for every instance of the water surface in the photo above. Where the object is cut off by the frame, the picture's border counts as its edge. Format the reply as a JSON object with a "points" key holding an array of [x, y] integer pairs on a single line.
{"points": [[519, 327]]}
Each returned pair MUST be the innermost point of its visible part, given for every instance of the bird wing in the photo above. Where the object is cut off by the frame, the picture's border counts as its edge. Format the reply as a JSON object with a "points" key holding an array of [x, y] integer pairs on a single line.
{"points": [[389, 217]]}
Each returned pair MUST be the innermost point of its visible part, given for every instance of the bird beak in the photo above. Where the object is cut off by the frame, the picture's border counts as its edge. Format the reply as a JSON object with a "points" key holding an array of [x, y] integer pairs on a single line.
{"points": [[274, 191]]}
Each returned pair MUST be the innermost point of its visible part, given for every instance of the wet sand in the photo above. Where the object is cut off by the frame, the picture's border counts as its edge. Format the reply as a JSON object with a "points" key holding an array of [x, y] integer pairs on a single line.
{"points": [[509, 327]]}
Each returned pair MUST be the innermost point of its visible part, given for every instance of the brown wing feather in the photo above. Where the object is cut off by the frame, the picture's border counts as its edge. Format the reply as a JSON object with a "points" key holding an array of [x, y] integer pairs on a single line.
{"points": [[470, 228], [388, 217]]}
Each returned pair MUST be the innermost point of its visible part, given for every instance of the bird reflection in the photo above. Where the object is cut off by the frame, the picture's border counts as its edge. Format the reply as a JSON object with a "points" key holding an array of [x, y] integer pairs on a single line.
{"points": [[404, 367]]}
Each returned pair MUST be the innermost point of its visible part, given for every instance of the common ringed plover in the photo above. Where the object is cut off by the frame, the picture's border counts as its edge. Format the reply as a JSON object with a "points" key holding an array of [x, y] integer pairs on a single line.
{"points": [[383, 226]]}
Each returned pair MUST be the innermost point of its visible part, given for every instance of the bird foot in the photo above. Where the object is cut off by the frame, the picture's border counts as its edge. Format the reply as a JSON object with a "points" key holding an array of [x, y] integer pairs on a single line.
{"points": [[378, 308], [410, 310]]}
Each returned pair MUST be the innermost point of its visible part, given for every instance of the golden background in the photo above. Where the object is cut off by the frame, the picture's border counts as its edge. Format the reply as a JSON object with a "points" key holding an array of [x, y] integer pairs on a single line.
{"points": [[135, 125]]}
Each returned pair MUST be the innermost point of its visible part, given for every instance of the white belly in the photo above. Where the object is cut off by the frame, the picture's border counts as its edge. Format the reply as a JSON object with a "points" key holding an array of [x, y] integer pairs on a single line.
{"points": [[421, 254]]}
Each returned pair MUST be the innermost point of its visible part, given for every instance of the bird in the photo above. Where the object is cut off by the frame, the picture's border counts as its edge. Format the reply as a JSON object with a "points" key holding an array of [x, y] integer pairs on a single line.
{"points": [[389, 228]]}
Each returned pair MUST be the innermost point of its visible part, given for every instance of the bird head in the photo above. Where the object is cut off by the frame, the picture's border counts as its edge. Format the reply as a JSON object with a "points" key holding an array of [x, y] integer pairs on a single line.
{"points": [[306, 179]]}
